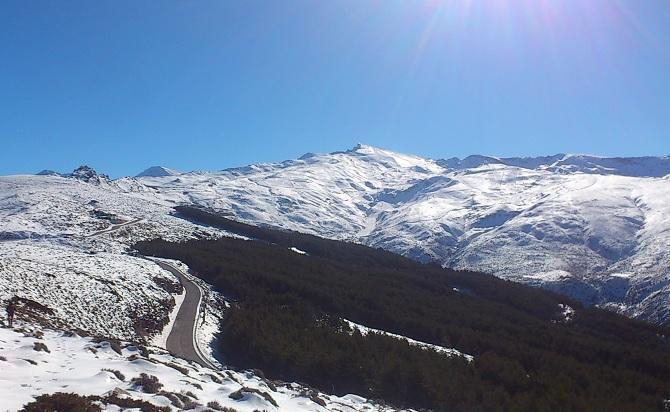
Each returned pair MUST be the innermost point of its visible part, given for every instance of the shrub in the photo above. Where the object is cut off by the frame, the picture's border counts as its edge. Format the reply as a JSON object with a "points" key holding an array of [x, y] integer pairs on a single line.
{"points": [[239, 394], [116, 346], [120, 376], [173, 398], [177, 367], [168, 285], [39, 346], [59, 402], [148, 383], [218, 407], [215, 378], [144, 406], [191, 394], [190, 404]]}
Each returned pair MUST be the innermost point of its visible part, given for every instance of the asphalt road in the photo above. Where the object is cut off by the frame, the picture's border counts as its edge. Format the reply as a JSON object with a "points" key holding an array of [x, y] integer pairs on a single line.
{"points": [[180, 341], [115, 227]]}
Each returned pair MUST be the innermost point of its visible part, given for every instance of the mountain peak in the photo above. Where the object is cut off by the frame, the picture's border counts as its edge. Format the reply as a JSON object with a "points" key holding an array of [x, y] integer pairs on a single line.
{"points": [[48, 172], [88, 174], [366, 149], [158, 171]]}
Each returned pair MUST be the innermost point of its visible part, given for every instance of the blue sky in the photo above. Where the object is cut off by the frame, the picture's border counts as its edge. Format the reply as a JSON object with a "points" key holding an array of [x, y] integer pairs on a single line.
{"points": [[207, 85]]}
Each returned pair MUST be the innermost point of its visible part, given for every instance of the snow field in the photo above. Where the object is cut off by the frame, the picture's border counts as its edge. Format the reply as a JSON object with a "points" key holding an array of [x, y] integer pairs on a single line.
{"points": [[80, 365]]}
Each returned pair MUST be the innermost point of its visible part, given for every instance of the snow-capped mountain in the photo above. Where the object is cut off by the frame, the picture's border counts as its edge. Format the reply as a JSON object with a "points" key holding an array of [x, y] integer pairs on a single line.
{"points": [[157, 171], [594, 228], [647, 166], [84, 173], [597, 229]]}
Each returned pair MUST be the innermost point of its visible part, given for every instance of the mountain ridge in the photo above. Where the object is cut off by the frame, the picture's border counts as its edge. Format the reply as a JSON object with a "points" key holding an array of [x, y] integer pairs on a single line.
{"points": [[598, 237], [555, 226]]}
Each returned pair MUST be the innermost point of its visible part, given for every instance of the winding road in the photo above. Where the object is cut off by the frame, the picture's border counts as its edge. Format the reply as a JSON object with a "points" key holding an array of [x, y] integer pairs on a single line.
{"points": [[115, 227], [181, 340]]}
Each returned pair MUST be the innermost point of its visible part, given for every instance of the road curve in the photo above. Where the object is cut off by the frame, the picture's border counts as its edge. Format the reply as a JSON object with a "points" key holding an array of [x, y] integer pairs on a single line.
{"points": [[181, 340], [114, 227]]}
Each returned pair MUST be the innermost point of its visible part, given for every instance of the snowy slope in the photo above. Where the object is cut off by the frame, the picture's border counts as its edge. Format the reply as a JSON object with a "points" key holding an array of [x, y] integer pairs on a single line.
{"points": [[594, 228], [86, 367], [364, 330], [64, 251], [63, 242]]}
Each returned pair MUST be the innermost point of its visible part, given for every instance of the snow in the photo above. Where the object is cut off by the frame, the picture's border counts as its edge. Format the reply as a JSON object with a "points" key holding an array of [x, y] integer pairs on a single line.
{"points": [[77, 364], [567, 312], [364, 330], [298, 251]]}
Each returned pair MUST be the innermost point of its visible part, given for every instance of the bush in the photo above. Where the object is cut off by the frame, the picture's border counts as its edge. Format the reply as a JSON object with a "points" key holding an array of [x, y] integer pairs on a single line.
{"points": [[178, 367], [239, 394], [215, 378], [60, 402], [120, 376], [147, 383], [39, 346], [217, 407], [114, 344], [175, 400], [190, 404], [144, 406], [191, 394]]}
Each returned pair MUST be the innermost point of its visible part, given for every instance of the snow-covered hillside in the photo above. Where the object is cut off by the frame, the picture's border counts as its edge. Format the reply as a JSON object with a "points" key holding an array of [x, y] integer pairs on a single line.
{"points": [[63, 244], [37, 361], [64, 253], [595, 228]]}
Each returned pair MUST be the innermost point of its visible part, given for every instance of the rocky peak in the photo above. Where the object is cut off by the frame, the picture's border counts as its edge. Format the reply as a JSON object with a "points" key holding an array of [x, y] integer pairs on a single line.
{"points": [[88, 174]]}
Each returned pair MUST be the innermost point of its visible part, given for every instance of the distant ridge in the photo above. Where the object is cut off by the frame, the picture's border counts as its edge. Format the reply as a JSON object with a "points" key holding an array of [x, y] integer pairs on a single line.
{"points": [[158, 171], [645, 166]]}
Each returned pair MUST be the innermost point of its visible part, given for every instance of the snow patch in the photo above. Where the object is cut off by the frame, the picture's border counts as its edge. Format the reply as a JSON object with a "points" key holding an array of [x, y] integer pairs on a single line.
{"points": [[364, 330]]}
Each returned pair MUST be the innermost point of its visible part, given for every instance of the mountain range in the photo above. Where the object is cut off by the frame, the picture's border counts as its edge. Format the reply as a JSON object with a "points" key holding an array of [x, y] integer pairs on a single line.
{"points": [[594, 228]]}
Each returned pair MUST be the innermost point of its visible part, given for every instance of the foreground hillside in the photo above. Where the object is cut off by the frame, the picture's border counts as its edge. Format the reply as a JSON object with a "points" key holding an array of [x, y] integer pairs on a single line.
{"points": [[41, 367], [504, 345]]}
